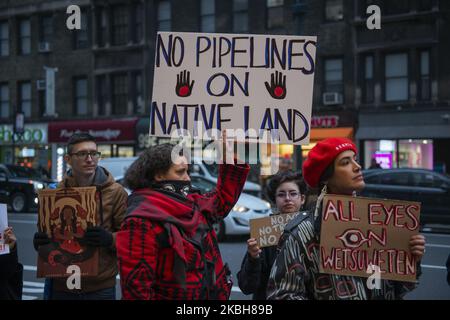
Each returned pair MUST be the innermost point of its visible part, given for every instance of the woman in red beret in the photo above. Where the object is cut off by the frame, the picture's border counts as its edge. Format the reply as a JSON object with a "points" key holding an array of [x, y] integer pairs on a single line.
{"points": [[332, 167]]}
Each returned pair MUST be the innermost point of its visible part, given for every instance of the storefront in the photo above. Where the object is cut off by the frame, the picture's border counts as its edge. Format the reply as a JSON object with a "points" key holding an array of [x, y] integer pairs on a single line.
{"points": [[338, 124], [115, 138], [30, 149], [405, 139]]}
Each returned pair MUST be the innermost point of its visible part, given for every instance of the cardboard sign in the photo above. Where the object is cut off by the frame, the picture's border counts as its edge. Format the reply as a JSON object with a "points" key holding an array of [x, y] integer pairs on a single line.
{"points": [[65, 214], [206, 81], [268, 230], [360, 236], [4, 248]]}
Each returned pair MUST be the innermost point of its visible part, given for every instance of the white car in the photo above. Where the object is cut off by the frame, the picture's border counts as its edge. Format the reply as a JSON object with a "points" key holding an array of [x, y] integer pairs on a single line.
{"points": [[237, 222]]}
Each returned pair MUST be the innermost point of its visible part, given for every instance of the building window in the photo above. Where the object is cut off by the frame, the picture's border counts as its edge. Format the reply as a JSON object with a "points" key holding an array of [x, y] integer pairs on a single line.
{"points": [[120, 25], [396, 73], [102, 95], [25, 98], [207, 16], [334, 10], [334, 76], [102, 26], [24, 37], [4, 39], [138, 19], [425, 83], [81, 40], [240, 15], [137, 87], [119, 94], [395, 7], [45, 29], [164, 16], [275, 16], [4, 100], [81, 96], [369, 87]]}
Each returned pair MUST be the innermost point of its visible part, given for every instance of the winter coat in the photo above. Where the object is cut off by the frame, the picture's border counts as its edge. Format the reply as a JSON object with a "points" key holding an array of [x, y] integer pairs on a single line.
{"points": [[295, 273], [254, 273], [111, 203], [167, 247], [11, 276]]}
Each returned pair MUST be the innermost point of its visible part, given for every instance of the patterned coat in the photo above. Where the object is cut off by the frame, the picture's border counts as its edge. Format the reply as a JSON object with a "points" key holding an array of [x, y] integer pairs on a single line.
{"points": [[167, 248], [295, 273]]}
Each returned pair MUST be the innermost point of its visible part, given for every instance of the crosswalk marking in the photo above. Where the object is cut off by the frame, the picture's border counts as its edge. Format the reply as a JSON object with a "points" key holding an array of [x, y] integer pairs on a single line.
{"points": [[26, 297], [33, 284]]}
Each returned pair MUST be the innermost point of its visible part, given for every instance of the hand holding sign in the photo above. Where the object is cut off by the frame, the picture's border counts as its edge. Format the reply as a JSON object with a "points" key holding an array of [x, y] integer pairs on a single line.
{"points": [[277, 87], [184, 88], [10, 238]]}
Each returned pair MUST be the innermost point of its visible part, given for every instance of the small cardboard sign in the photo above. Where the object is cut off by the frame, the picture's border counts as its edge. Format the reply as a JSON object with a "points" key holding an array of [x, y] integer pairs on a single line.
{"points": [[360, 236], [4, 248], [65, 214], [268, 230]]}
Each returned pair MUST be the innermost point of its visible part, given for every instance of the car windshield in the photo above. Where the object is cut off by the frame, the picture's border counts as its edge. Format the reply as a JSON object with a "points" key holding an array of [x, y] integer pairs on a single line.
{"points": [[202, 184], [24, 172], [213, 169]]}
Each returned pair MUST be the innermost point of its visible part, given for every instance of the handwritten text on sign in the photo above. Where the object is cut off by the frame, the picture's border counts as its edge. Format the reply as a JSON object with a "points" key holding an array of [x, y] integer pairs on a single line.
{"points": [[224, 81], [358, 232], [268, 230]]}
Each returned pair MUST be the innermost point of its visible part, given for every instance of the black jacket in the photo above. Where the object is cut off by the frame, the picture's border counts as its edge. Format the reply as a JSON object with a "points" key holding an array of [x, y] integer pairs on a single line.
{"points": [[254, 273], [11, 272]]}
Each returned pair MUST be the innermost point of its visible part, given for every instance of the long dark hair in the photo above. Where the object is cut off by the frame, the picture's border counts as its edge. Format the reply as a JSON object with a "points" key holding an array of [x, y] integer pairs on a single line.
{"points": [[63, 219], [282, 177], [154, 160]]}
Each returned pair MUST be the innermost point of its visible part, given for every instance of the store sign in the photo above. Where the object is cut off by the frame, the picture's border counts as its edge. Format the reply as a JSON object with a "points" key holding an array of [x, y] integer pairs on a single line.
{"points": [[32, 134], [384, 159], [325, 122]]}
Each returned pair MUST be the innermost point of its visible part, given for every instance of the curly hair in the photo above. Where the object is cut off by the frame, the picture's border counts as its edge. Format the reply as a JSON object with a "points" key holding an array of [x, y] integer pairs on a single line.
{"points": [[282, 177], [154, 160]]}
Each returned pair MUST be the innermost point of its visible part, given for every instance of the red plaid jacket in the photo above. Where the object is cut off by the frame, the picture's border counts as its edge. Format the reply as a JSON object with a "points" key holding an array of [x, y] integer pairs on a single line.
{"points": [[167, 248]]}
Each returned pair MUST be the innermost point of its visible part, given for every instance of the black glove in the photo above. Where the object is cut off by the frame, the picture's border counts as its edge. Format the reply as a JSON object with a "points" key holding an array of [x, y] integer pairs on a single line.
{"points": [[97, 237], [40, 239]]}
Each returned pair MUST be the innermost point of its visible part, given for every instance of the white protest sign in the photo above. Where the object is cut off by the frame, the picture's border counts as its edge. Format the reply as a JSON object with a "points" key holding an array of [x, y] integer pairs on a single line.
{"points": [[4, 248], [256, 83]]}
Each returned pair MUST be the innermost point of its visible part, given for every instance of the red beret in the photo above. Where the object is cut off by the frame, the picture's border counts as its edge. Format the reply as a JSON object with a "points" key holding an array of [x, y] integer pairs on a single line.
{"points": [[321, 156]]}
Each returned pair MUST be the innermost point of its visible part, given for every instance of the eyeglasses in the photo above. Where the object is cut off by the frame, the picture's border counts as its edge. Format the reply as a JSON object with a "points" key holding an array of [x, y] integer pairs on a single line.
{"points": [[292, 195], [95, 155]]}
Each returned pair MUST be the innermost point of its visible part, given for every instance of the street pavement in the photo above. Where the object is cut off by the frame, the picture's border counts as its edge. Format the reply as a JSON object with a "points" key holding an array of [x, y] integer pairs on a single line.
{"points": [[433, 284]]}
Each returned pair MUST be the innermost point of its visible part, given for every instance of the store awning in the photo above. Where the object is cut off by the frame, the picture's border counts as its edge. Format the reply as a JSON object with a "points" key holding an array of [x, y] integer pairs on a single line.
{"points": [[403, 132], [109, 131], [318, 134]]}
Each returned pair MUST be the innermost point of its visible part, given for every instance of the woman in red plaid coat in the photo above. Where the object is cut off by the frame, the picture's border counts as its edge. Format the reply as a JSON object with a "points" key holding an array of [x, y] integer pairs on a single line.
{"points": [[167, 248]]}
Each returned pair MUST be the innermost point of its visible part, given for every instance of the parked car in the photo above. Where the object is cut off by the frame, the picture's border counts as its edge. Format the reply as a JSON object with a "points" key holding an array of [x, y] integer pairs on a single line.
{"points": [[19, 186], [118, 166], [430, 188], [237, 222]]}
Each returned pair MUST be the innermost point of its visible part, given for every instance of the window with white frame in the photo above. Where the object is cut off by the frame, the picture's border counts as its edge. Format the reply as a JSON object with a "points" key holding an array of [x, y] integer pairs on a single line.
{"points": [[119, 94], [207, 16], [81, 36], [396, 77], [425, 83], [240, 15], [45, 28], [334, 10], [369, 85], [120, 25]]}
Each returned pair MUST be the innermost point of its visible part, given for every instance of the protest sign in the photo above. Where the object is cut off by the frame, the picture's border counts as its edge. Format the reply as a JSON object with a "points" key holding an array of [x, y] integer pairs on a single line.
{"points": [[65, 214], [256, 83], [4, 248], [358, 233], [268, 230]]}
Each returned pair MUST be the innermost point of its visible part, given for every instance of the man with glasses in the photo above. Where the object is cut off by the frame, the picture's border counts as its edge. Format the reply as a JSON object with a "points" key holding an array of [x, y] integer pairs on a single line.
{"points": [[82, 157]]}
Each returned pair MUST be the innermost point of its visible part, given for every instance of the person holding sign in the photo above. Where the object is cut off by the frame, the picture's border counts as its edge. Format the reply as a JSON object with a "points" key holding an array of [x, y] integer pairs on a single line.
{"points": [[167, 246], [10, 269], [331, 166], [286, 190], [83, 156]]}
